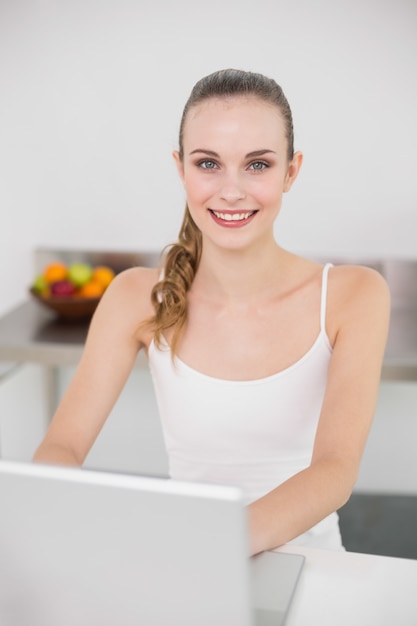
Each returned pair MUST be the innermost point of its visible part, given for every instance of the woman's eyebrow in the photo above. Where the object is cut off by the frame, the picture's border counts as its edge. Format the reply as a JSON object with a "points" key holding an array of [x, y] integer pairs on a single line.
{"points": [[255, 153], [208, 152]]}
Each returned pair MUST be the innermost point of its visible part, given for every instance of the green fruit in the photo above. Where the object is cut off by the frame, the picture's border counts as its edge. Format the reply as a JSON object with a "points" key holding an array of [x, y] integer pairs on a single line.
{"points": [[80, 273], [40, 285]]}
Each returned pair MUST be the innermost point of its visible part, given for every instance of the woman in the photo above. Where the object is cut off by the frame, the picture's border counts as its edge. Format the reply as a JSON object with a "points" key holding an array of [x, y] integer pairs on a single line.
{"points": [[266, 365]]}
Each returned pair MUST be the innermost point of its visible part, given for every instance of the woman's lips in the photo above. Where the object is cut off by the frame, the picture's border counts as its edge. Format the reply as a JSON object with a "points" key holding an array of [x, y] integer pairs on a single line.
{"points": [[232, 219]]}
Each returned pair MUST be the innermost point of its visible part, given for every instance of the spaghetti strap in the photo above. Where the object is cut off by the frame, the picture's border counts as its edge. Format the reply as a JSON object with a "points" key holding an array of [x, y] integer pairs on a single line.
{"points": [[323, 302]]}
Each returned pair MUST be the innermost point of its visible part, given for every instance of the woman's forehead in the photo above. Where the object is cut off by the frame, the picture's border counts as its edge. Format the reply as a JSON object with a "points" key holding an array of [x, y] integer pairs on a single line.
{"points": [[244, 116]]}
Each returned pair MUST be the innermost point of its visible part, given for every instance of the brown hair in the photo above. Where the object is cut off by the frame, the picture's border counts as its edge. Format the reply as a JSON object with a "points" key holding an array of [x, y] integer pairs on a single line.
{"points": [[169, 295]]}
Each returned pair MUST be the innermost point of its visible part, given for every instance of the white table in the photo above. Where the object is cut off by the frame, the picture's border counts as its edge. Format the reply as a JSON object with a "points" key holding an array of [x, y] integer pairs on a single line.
{"points": [[352, 589]]}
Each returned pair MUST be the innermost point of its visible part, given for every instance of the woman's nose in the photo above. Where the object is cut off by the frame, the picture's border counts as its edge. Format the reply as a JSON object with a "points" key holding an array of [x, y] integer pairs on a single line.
{"points": [[232, 189]]}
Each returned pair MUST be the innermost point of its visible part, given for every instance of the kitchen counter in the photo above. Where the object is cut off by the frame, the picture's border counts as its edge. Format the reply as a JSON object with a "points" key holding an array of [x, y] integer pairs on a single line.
{"points": [[346, 588], [32, 334]]}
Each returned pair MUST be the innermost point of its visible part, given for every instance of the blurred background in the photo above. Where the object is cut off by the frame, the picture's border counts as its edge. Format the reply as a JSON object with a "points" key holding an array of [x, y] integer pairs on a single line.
{"points": [[91, 96]]}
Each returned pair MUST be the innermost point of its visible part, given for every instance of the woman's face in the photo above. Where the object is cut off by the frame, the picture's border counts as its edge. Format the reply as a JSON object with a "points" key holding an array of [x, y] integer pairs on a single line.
{"points": [[235, 168]]}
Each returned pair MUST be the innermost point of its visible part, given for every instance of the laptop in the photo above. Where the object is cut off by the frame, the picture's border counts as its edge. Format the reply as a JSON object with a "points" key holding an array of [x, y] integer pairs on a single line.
{"points": [[89, 548]]}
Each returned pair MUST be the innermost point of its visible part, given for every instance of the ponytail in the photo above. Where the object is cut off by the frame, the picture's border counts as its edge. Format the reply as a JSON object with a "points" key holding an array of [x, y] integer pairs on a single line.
{"points": [[169, 295]]}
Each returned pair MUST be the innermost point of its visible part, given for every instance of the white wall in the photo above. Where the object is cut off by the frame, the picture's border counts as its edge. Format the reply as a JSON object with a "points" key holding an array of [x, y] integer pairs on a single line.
{"points": [[92, 92]]}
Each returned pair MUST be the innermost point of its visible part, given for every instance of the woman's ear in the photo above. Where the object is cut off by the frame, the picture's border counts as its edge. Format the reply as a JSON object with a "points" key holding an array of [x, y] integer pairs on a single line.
{"points": [[179, 164], [293, 169]]}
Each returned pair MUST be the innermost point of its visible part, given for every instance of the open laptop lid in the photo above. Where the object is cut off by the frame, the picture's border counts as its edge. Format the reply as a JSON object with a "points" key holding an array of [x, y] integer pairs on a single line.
{"points": [[99, 549]]}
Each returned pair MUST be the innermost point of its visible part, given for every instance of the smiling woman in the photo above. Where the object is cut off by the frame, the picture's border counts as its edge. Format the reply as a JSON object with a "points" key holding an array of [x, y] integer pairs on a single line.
{"points": [[266, 365], [236, 184]]}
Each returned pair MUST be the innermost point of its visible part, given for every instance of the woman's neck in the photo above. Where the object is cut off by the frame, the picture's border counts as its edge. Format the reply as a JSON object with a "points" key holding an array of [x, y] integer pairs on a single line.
{"points": [[237, 275]]}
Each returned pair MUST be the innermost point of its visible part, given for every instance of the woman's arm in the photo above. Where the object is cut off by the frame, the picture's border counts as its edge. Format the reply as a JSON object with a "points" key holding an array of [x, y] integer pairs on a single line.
{"points": [[109, 355], [358, 321]]}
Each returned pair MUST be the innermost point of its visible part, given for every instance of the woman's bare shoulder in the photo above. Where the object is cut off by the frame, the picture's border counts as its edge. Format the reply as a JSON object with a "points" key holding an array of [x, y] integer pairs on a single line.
{"points": [[136, 279], [127, 300], [347, 283], [357, 282], [357, 292]]}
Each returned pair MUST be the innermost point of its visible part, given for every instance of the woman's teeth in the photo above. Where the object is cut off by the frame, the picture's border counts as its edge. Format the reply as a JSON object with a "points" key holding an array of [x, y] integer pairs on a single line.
{"points": [[233, 217]]}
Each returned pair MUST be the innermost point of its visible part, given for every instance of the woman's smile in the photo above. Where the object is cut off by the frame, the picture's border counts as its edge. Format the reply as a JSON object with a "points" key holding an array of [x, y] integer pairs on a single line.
{"points": [[232, 219]]}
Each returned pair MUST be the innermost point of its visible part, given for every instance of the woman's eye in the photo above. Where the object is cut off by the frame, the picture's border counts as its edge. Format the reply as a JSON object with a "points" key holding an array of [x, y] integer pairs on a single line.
{"points": [[207, 164], [258, 166]]}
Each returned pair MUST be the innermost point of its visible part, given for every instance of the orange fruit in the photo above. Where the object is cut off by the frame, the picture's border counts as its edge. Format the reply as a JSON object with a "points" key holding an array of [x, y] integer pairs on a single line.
{"points": [[55, 272], [92, 289], [103, 274]]}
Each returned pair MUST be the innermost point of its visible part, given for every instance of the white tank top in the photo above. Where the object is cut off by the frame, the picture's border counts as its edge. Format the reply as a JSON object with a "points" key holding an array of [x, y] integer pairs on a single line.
{"points": [[252, 434]]}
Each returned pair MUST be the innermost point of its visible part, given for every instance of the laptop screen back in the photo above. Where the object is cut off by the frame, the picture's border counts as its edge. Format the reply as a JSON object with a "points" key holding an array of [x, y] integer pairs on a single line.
{"points": [[99, 549]]}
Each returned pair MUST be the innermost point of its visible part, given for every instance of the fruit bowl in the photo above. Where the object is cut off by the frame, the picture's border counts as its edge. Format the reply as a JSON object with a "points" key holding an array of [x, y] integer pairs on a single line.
{"points": [[71, 291], [70, 308]]}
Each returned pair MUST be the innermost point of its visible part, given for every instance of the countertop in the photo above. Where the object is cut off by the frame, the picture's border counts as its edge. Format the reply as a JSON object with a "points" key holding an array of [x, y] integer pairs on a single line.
{"points": [[338, 588]]}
